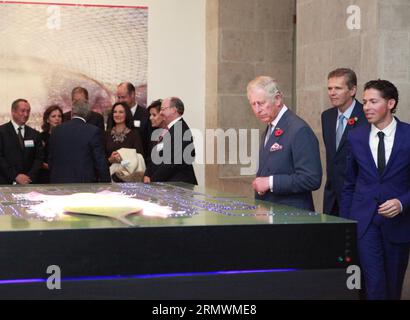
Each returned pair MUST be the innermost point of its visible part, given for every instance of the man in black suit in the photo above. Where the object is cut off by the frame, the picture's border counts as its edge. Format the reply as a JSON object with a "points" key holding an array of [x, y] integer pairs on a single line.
{"points": [[94, 118], [345, 114], [21, 153], [173, 156], [126, 93], [76, 152]]}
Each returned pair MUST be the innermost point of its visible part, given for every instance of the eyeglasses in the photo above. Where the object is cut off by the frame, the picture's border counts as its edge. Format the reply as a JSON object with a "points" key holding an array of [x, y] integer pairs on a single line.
{"points": [[163, 108]]}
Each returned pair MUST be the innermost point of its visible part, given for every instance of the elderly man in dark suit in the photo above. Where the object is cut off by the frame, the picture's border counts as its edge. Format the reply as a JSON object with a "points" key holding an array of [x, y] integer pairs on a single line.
{"points": [[21, 154], [126, 93], [289, 158], [376, 192], [173, 156], [345, 114], [94, 118], [76, 153]]}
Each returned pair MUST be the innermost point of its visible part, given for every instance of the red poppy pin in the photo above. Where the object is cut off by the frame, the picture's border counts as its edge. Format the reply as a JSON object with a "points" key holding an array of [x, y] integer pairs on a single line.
{"points": [[278, 132], [352, 121]]}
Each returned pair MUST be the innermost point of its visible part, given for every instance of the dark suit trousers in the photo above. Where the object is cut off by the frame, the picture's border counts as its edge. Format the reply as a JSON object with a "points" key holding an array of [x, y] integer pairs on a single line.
{"points": [[383, 263]]}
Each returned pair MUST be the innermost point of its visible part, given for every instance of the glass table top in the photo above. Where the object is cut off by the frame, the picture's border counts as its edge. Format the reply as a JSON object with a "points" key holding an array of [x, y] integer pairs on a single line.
{"points": [[49, 207]]}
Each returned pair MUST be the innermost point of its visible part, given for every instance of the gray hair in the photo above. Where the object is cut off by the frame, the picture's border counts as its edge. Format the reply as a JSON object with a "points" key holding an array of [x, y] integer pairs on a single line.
{"points": [[81, 109], [178, 104], [266, 83]]}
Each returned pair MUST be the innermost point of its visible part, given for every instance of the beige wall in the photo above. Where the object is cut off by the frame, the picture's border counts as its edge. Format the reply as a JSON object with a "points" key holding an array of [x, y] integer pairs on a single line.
{"points": [[244, 39], [380, 49], [324, 43], [394, 49], [176, 54]]}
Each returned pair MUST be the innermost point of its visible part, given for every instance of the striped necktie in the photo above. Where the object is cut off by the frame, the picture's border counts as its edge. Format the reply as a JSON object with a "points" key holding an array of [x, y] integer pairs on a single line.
{"points": [[339, 130]]}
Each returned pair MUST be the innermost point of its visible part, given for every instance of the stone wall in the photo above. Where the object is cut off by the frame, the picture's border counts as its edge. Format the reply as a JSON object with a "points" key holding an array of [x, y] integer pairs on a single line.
{"points": [[379, 49], [324, 42], [394, 49], [244, 39]]}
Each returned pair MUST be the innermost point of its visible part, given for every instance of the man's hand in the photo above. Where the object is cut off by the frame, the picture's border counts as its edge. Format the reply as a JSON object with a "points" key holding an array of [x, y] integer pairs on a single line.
{"points": [[115, 157], [147, 179], [23, 179], [261, 185], [390, 208]]}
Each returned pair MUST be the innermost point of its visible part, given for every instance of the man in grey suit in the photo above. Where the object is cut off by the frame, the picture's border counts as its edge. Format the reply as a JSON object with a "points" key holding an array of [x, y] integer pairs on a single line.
{"points": [[289, 157]]}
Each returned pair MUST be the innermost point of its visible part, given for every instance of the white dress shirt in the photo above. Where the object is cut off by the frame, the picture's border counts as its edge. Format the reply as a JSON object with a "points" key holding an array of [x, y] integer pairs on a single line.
{"points": [[133, 109], [389, 133], [274, 124], [347, 114], [173, 122], [16, 128]]}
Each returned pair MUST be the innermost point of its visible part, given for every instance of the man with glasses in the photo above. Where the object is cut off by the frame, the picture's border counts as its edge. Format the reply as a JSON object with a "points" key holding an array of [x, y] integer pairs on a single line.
{"points": [[289, 158], [173, 156]]}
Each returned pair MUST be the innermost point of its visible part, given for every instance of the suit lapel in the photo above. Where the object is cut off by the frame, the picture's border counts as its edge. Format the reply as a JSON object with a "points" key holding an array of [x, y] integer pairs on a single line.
{"points": [[365, 137], [331, 129], [265, 150], [14, 136], [398, 140], [354, 115]]}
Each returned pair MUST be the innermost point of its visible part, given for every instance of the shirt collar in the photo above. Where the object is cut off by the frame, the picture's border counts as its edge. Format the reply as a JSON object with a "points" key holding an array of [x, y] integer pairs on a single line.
{"points": [[348, 113], [388, 131], [134, 109], [282, 111], [173, 122], [16, 126], [77, 117]]}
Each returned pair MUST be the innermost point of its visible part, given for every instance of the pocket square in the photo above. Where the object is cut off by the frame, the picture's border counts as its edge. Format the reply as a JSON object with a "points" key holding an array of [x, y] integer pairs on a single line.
{"points": [[275, 147]]}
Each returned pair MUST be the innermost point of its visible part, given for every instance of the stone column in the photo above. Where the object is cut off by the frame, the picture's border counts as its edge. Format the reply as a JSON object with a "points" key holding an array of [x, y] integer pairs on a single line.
{"points": [[244, 39]]}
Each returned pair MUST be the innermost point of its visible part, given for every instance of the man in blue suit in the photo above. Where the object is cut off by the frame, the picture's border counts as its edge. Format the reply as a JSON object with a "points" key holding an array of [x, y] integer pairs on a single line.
{"points": [[377, 191], [76, 153], [345, 114], [289, 158]]}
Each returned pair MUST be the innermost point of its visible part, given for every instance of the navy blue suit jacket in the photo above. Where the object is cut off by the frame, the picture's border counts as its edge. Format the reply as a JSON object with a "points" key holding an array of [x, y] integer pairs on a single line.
{"points": [[76, 154], [336, 159], [296, 168], [94, 118], [365, 189]]}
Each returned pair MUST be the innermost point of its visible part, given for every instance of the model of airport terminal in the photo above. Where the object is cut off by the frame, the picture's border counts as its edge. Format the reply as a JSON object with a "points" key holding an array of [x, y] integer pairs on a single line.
{"points": [[167, 241]]}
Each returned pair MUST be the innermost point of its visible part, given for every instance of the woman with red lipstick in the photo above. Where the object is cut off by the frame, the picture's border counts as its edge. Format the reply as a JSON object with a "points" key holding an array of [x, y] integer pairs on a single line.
{"points": [[121, 133]]}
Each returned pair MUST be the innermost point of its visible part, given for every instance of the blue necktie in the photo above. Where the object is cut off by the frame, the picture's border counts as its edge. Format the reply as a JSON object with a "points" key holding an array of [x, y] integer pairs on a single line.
{"points": [[339, 131]]}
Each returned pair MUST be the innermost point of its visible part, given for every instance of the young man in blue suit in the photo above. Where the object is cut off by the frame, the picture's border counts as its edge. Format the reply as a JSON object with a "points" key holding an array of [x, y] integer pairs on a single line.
{"points": [[377, 191], [345, 114], [289, 158]]}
